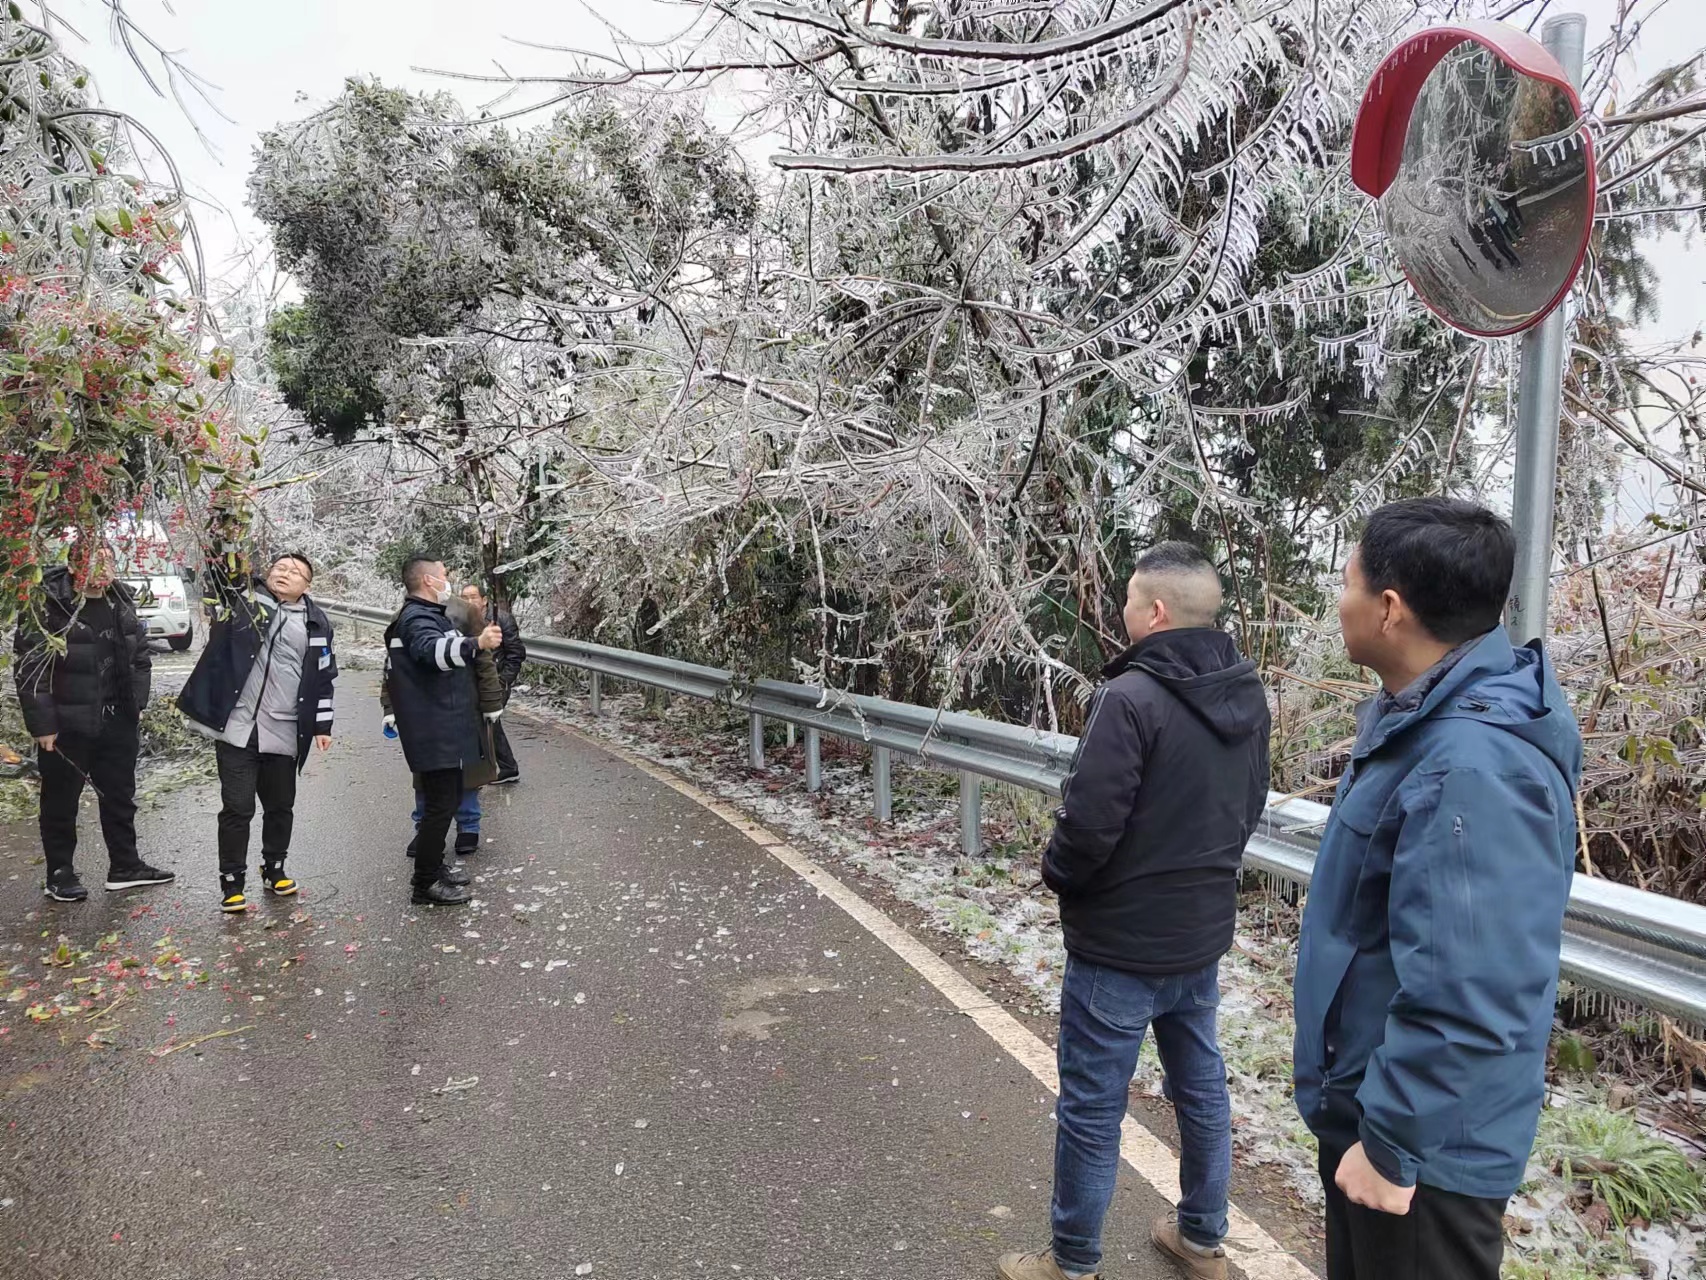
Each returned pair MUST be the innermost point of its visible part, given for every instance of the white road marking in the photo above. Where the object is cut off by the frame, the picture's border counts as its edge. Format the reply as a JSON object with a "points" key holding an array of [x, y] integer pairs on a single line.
{"points": [[1257, 1254]]}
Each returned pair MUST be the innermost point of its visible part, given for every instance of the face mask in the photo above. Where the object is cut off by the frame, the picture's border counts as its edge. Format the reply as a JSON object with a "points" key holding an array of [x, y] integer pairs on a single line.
{"points": [[444, 594]]}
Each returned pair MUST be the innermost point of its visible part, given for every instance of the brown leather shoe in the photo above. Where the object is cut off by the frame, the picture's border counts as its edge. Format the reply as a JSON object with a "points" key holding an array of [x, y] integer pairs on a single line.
{"points": [[1033, 1266], [1194, 1263]]}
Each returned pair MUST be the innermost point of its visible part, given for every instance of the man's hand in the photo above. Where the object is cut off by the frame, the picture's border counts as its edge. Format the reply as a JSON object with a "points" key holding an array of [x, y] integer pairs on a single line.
{"points": [[46, 741], [323, 741], [1362, 1184], [491, 637]]}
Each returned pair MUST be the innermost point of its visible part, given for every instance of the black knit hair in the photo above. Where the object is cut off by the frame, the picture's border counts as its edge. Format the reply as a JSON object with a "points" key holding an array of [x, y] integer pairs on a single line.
{"points": [[1451, 562], [414, 571], [1173, 557]]}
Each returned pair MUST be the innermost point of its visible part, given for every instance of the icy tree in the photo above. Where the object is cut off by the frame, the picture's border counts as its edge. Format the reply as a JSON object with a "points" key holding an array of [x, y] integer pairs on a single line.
{"points": [[1032, 281], [1042, 279], [462, 286], [1025, 285]]}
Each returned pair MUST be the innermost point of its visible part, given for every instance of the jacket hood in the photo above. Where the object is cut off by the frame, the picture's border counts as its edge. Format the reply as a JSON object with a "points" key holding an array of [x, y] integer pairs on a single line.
{"points": [[1202, 668], [56, 583], [1509, 688]]}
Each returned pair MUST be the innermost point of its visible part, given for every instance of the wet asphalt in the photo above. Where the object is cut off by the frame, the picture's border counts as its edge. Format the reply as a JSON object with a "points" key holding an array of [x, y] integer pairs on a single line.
{"points": [[646, 1050]]}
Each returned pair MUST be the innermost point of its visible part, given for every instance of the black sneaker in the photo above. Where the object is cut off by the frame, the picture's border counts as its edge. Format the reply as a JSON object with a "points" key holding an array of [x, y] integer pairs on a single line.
{"points": [[137, 876], [441, 894], [410, 851], [507, 779], [64, 886], [453, 872], [275, 881], [467, 842]]}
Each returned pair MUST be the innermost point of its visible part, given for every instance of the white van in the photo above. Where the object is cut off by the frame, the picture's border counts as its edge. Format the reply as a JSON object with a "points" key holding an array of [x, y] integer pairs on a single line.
{"points": [[166, 597], [166, 603]]}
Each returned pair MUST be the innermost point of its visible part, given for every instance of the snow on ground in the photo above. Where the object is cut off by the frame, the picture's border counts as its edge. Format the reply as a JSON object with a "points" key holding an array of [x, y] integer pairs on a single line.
{"points": [[994, 905]]}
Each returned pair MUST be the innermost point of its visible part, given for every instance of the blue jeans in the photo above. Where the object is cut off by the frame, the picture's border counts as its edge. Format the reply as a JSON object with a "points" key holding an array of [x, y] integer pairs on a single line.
{"points": [[1104, 1014], [467, 813]]}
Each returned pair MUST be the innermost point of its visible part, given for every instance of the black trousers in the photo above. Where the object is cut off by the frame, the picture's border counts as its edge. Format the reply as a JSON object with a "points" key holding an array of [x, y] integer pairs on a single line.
{"points": [[107, 762], [1445, 1236], [501, 747], [441, 795], [245, 776]]}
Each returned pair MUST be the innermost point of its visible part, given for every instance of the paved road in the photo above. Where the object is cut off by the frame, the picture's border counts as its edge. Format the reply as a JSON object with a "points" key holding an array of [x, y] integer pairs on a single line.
{"points": [[647, 1048]]}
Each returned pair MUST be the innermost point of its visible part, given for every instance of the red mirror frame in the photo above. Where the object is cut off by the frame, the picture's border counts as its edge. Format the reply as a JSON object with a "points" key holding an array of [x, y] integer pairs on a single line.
{"points": [[1383, 120]]}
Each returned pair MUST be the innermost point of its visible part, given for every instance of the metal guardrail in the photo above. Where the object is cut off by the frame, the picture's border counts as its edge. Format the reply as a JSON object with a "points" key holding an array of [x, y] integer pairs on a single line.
{"points": [[1625, 943]]}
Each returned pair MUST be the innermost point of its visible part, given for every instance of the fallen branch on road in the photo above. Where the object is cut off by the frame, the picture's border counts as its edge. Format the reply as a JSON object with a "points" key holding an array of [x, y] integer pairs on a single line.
{"points": [[190, 1044]]}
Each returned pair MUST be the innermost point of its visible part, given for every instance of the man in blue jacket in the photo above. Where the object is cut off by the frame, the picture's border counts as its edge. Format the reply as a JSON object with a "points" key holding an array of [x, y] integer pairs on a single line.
{"points": [[430, 680], [1169, 782], [1428, 965]]}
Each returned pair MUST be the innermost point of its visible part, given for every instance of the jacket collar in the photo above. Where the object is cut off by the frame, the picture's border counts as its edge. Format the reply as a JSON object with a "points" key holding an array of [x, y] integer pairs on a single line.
{"points": [[268, 601], [316, 615], [56, 586], [1490, 655]]}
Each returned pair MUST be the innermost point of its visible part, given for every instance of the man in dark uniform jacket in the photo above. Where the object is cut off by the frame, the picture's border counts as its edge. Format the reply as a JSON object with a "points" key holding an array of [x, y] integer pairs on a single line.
{"points": [[430, 680]]}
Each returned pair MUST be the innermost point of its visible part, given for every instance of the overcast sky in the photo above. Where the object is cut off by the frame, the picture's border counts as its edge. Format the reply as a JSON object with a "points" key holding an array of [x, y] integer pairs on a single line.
{"points": [[265, 55]]}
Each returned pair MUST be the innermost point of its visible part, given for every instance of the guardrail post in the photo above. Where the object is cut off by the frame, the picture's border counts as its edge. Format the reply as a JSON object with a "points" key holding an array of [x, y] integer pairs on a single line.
{"points": [[971, 814], [814, 761], [755, 742], [595, 699], [881, 785]]}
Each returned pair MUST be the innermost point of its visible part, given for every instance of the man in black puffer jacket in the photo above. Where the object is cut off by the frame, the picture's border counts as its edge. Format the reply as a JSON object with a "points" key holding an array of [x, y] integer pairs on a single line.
{"points": [[1168, 784], [83, 706]]}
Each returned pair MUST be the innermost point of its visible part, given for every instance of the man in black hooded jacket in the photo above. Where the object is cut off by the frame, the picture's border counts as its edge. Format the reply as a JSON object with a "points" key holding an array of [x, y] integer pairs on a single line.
{"points": [[1168, 784]]}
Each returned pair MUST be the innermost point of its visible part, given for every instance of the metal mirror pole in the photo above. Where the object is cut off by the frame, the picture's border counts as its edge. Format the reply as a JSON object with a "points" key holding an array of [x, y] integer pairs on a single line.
{"points": [[1540, 403]]}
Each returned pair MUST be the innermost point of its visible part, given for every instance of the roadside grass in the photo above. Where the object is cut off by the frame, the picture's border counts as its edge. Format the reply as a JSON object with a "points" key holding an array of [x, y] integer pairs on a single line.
{"points": [[1634, 1174], [1601, 1262]]}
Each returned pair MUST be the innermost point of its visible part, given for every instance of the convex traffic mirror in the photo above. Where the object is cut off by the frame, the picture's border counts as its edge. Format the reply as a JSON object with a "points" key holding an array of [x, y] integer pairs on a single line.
{"points": [[1472, 140]]}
